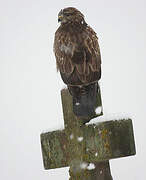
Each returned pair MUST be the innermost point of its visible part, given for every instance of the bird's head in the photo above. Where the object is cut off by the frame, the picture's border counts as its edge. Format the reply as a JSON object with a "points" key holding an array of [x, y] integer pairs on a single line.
{"points": [[69, 15]]}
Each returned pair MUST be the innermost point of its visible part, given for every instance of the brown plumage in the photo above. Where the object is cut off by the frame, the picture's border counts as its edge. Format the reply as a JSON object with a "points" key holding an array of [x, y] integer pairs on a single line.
{"points": [[77, 56]]}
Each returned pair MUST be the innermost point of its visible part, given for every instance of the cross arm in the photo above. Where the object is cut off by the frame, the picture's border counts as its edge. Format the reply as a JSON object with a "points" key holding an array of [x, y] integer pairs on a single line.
{"points": [[102, 141]]}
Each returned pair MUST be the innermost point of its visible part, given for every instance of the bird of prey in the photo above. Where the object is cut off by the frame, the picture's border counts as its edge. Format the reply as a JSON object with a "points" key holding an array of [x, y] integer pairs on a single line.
{"points": [[78, 59]]}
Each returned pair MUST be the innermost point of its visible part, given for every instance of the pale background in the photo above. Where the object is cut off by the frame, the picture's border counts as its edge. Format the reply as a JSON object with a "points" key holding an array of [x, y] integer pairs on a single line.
{"points": [[30, 86]]}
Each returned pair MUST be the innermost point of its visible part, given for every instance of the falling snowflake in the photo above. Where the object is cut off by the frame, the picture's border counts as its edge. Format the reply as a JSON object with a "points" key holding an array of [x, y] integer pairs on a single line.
{"points": [[96, 154], [71, 136], [80, 139], [91, 166], [101, 172], [83, 165], [98, 110], [77, 104]]}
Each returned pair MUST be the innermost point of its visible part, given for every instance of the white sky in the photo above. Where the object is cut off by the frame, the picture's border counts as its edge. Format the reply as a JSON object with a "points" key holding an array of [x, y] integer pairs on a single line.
{"points": [[30, 87]]}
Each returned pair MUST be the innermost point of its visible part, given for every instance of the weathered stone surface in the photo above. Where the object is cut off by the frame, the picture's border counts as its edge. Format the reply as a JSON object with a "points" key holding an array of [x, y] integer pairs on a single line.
{"points": [[78, 145], [94, 143]]}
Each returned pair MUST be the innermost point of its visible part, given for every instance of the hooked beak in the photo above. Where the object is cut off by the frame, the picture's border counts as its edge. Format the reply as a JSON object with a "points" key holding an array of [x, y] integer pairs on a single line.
{"points": [[60, 18]]}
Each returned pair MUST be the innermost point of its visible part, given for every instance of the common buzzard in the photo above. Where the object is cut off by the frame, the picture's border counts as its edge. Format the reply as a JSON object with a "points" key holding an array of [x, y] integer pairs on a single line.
{"points": [[78, 59]]}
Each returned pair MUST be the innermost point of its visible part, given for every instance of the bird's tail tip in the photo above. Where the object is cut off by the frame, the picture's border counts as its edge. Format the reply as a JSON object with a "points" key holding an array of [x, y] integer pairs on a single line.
{"points": [[84, 100]]}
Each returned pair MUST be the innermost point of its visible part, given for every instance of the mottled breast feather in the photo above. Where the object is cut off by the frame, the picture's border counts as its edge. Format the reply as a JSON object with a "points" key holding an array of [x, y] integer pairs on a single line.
{"points": [[77, 54]]}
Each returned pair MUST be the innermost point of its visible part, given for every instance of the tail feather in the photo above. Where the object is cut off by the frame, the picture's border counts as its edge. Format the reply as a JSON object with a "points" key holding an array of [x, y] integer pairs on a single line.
{"points": [[84, 99]]}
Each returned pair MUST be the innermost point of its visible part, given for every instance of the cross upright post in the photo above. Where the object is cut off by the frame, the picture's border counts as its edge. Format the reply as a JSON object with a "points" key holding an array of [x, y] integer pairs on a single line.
{"points": [[87, 149]]}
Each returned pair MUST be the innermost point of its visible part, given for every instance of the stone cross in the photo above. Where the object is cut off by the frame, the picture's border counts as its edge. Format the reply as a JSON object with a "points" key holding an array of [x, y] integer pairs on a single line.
{"points": [[87, 149]]}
